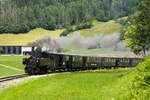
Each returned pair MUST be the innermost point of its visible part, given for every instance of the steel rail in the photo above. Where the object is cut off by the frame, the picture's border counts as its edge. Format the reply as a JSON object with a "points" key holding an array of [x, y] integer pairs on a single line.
{"points": [[8, 78]]}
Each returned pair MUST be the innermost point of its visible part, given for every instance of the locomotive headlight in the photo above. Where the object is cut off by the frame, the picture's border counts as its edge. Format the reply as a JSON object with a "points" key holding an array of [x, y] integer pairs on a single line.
{"points": [[37, 61]]}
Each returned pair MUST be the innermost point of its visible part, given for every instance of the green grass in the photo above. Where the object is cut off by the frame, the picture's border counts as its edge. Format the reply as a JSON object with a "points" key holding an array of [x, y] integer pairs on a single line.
{"points": [[13, 61], [7, 72], [90, 85]]}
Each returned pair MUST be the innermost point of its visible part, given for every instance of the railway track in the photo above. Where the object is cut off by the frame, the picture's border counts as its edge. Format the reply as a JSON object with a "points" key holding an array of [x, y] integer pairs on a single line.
{"points": [[8, 78], [2, 79]]}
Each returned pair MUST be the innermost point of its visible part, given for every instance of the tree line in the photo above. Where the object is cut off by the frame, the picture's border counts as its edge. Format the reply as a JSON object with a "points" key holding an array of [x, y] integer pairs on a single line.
{"points": [[20, 16]]}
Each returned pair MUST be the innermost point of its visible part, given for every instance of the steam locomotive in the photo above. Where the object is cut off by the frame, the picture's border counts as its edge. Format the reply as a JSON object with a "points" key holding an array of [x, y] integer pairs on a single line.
{"points": [[43, 62]]}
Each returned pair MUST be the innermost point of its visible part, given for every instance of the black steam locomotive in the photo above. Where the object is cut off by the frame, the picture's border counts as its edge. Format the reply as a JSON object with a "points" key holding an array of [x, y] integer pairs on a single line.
{"points": [[42, 62]]}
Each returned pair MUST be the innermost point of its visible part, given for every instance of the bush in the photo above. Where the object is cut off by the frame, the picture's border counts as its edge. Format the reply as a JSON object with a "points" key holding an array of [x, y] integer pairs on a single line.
{"points": [[140, 89], [67, 31], [49, 27], [84, 26], [64, 33], [78, 27]]}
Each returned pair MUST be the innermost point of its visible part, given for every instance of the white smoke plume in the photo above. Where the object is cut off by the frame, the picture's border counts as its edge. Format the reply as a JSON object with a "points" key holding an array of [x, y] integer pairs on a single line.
{"points": [[121, 46], [109, 41], [78, 41]]}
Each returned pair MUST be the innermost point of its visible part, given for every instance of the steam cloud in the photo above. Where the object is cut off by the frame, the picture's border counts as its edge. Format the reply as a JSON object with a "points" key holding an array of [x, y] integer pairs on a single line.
{"points": [[76, 40]]}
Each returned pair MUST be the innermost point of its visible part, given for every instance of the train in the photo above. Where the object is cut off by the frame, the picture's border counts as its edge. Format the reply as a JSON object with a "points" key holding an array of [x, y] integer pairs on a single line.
{"points": [[44, 62]]}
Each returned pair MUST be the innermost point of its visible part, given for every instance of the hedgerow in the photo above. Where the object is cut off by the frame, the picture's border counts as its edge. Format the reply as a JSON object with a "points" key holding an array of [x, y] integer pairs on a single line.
{"points": [[140, 89]]}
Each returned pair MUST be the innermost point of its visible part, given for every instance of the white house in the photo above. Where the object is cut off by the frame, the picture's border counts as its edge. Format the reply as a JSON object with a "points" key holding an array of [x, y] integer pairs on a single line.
{"points": [[26, 50]]}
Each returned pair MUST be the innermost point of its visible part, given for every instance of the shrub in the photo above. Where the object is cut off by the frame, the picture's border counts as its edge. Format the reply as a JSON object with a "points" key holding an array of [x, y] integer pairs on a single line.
{"points": [[64, 33], [84, 26], [67, 31], [78, 27], [140, 89]]}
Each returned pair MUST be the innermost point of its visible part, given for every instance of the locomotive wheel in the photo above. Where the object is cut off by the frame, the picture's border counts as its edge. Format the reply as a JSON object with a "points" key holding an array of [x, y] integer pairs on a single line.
{"points": [[36, 71], [29, 71], [43, 70]]}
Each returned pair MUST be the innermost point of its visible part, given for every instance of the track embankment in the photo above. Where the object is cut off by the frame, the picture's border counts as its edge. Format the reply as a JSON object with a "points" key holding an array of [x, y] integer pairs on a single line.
{"points": [[15, 81], [2, 79]]}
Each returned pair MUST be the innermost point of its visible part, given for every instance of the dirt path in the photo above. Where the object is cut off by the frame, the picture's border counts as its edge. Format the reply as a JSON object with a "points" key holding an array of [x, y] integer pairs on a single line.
{"points": [[13, 68]]}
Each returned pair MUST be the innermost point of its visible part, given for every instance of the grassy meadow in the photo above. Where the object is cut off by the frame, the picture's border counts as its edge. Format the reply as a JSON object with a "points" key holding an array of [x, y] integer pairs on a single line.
{"points": [[7, 72], [14, 61], [23, 39], [89, 85], [11, 61]]}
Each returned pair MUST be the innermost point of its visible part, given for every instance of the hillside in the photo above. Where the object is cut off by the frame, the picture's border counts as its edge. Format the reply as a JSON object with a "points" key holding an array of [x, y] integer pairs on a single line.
{"points": [[102, 27], [23, 39]]}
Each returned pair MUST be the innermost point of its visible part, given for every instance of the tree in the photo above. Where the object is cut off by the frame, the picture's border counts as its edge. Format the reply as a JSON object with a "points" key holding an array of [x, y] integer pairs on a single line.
{"points": [[100, 15], [138, 34]]}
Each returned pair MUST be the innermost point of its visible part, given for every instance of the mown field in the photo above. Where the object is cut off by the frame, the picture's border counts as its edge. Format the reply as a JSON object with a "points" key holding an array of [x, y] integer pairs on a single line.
{"points": [[23, 39], [89, 85], [7, 71], [106, 28], [12, 62]]}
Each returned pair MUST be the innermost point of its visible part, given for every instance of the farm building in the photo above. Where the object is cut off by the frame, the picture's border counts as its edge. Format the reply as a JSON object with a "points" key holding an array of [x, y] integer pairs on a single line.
{"points": [[15, 50]]}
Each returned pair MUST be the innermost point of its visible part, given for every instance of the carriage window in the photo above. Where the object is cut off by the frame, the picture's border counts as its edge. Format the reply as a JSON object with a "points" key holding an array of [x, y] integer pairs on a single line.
{"points": [[67, 58]]}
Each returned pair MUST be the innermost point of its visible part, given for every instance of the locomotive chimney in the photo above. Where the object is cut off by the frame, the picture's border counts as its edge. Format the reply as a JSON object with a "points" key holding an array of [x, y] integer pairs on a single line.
{"points": [[33, 48]]}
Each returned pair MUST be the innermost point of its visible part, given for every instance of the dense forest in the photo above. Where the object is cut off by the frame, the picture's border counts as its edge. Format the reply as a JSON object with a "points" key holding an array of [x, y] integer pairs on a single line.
{"points": [[20, 16]]}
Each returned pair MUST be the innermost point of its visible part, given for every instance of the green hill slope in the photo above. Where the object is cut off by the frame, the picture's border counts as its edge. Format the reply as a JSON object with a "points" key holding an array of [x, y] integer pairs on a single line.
{"points": [[102, 27], [23, 39]]}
